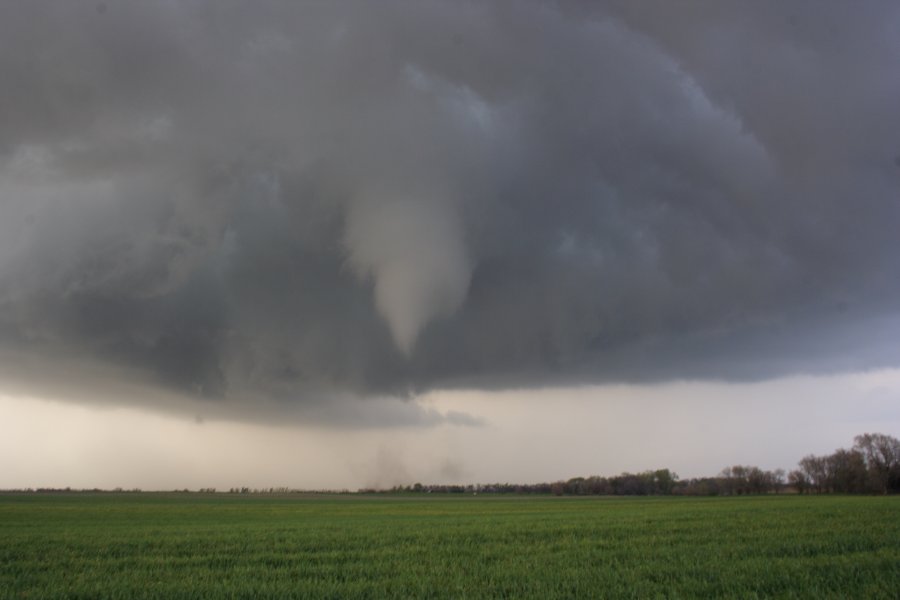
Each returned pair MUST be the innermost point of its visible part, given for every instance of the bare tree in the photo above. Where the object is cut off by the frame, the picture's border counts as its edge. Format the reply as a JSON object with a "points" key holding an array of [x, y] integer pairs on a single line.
{"points": [[846, 471], [814, 469], [799, 481], [882, 457]]}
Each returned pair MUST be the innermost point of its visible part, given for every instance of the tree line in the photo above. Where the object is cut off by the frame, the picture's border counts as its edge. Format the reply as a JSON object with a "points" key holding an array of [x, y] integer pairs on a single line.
{"points": [[870, 466]]}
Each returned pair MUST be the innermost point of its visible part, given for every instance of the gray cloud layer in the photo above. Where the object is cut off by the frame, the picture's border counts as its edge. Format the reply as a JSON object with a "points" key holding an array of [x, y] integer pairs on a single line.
{"points": [[304, 201]]}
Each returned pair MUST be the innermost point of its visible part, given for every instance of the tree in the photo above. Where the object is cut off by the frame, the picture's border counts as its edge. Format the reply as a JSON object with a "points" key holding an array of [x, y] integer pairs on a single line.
{"points": [[758, 481], [798, 480], [739, 479], [665, 481], [882, 457], [814, 470], [777, 479], [846, 471]]}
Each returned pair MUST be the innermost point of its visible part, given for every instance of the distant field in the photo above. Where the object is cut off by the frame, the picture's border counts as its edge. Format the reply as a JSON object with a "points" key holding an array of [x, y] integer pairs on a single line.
{"points": [[190, 546]]}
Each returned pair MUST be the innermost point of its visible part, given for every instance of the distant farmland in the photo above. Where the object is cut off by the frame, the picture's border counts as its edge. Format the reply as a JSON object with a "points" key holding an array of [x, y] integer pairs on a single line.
{"points": [[190, 546]]}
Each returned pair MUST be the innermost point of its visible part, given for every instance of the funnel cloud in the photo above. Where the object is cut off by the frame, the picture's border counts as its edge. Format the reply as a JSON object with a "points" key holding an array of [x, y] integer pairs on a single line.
{"points": [[414, 252], [302, 206]]}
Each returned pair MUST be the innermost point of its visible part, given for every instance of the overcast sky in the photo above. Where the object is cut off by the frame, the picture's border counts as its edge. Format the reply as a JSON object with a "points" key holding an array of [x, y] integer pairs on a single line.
{"points": [[355, 243]]}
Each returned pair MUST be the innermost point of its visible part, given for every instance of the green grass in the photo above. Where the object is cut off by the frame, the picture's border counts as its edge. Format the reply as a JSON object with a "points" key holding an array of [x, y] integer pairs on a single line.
{"points": [[193, 546]]}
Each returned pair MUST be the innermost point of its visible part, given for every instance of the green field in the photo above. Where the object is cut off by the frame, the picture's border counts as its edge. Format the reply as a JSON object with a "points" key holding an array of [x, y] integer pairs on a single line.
{"points": [[193, 545]]}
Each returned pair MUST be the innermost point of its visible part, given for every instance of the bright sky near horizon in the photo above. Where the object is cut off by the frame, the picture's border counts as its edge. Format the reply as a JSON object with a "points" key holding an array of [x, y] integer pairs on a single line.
{"points": [[695, 429]]}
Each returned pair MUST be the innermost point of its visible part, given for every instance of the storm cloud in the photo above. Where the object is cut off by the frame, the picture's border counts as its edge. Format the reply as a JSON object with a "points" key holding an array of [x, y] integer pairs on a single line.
{"points": [[310, 203]]}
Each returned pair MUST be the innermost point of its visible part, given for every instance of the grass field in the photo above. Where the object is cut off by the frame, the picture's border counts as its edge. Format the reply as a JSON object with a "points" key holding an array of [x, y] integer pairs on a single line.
{"points": [[192, 546]]}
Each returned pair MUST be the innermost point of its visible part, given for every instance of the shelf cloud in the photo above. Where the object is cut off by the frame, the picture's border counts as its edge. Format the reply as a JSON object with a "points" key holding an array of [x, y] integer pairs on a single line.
{"points": [[314, 205]]}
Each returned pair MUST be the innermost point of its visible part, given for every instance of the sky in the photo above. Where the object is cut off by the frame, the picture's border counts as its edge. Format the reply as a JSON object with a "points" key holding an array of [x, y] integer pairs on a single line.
{"points": [[351, 244]]}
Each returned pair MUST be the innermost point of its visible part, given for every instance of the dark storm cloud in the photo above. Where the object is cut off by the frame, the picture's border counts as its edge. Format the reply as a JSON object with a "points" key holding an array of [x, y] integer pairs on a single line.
{"points": [[297, 202]]}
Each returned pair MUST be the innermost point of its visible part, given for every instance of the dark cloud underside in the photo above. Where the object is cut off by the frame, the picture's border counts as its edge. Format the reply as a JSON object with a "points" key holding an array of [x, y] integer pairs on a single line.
{"points": [[301, 201]]}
